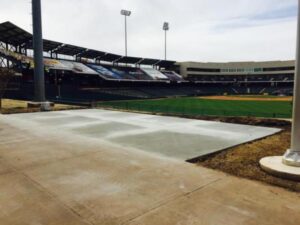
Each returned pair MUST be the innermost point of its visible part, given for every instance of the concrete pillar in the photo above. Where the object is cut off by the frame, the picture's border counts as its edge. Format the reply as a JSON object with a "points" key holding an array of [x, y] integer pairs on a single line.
{"points": [[288, 166], [292, 156]]}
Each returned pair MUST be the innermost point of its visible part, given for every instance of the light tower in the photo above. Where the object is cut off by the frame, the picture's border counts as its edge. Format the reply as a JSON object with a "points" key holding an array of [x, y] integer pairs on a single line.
{"points": [[166, 27], [288, 166], [125, 13]]}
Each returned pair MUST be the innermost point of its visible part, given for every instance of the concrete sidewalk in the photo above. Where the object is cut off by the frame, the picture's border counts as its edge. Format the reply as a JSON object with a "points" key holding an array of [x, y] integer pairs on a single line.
{"points": [[50, 178]]}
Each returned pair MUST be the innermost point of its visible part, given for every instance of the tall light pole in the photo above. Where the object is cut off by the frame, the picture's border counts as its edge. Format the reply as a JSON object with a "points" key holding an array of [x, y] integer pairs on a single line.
{"points": [[288, 166], [125, 13], [166, 27], [39, 80]]}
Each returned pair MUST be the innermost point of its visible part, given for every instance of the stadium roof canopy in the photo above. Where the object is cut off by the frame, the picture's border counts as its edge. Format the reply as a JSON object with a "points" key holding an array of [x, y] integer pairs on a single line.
{"points": [[165, 63], [47, 45], [92, 54], [149, 61], [129, 60], [11, 34], [71, 50], [14, 35], [108, 57]]}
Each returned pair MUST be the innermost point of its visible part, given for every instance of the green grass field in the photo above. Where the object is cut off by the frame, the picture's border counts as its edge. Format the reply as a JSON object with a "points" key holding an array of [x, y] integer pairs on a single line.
{"points": [[207, 107]]}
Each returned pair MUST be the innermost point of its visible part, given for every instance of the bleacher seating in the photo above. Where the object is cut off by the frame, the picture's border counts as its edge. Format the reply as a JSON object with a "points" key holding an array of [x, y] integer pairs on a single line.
{"points": [[173, 76], [131, 73]]}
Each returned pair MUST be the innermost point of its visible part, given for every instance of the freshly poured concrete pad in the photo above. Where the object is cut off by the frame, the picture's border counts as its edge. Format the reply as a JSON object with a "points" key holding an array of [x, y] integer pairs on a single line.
{"points": [[101, 129], [53, 174], [174, 144], [275, 166], [169, 136]]}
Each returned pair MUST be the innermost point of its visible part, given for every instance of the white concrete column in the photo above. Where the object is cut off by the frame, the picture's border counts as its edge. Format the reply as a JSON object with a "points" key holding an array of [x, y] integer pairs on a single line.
{"points": [[292, 156], [288, 166]]}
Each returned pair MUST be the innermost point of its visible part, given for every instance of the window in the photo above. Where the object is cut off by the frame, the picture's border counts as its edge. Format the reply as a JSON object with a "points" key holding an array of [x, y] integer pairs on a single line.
{"points": [[204, 70], [273, 69]]}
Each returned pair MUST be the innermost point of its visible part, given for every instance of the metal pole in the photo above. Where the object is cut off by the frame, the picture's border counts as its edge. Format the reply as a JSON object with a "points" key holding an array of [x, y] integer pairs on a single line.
{"points": [[292, 156], [125, 35], [39, 80], [7, 61], [166, 28], [165, 44]]}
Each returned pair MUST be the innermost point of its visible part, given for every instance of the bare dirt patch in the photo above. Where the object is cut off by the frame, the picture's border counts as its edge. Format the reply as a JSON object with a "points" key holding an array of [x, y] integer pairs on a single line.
{"points": [[10, 106], [249, 98], [243, 161]]}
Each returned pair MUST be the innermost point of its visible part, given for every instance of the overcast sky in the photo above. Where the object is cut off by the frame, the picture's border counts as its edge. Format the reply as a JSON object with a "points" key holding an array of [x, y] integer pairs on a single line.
{"points": [[200, 30]]}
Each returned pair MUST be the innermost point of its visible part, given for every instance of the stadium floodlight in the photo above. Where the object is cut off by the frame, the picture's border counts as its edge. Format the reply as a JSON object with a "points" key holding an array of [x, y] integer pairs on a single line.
{"points": [[125, 13], [288, 166], [166, 27]]}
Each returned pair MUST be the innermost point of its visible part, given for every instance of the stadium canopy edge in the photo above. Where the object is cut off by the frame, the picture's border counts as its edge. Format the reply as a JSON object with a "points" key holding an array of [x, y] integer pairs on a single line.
{"points": [[13, 35]]}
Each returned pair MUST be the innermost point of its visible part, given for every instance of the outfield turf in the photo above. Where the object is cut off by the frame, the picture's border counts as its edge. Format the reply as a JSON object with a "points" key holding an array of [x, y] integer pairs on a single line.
{"points": [[207, 107]]}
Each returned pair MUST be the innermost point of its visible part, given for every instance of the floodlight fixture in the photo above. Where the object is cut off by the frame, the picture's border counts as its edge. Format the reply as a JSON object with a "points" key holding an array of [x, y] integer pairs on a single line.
{"points": [[125, 12], [166, 26]]}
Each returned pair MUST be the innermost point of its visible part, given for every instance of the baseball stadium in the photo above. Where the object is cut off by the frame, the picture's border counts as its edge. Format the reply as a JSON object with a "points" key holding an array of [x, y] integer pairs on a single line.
{"points": [[95, 137], [258, 89]]}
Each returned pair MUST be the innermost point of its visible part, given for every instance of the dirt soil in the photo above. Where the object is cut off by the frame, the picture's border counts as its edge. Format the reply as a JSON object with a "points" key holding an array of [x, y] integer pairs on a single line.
{"points": [[10, 106], [243, 161], [249, 98]]}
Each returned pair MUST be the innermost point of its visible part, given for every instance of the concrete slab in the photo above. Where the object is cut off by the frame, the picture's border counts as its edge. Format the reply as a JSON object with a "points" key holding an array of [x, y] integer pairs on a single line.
{"points": [[103, 129], [55, 176], [218, 204], [172, 137], [110, 190], [274, 165], [179, 145], [4, 167], [59, 121], [24, 203]]}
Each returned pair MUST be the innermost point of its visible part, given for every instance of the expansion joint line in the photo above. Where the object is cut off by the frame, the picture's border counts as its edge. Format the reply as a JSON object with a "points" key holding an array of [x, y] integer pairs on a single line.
{"points": [[171, 200], [51, 195]]}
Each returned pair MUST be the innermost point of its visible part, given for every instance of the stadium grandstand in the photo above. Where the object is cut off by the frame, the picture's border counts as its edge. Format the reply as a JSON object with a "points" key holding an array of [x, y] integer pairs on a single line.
{"points": [[77, 74], [274, 77]]}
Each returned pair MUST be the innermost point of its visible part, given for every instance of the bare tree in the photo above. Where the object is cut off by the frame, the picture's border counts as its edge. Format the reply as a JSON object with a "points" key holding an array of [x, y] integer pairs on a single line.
{"points": [[5, 75]]}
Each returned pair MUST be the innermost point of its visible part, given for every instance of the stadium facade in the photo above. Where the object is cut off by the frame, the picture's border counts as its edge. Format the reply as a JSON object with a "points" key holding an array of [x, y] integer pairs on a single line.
{"points": [[269, 69], [242, 74], [74, 73]]}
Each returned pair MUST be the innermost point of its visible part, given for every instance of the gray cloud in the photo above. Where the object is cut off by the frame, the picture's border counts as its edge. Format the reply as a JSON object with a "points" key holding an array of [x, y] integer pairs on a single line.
{"points": [[201, 30]]}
